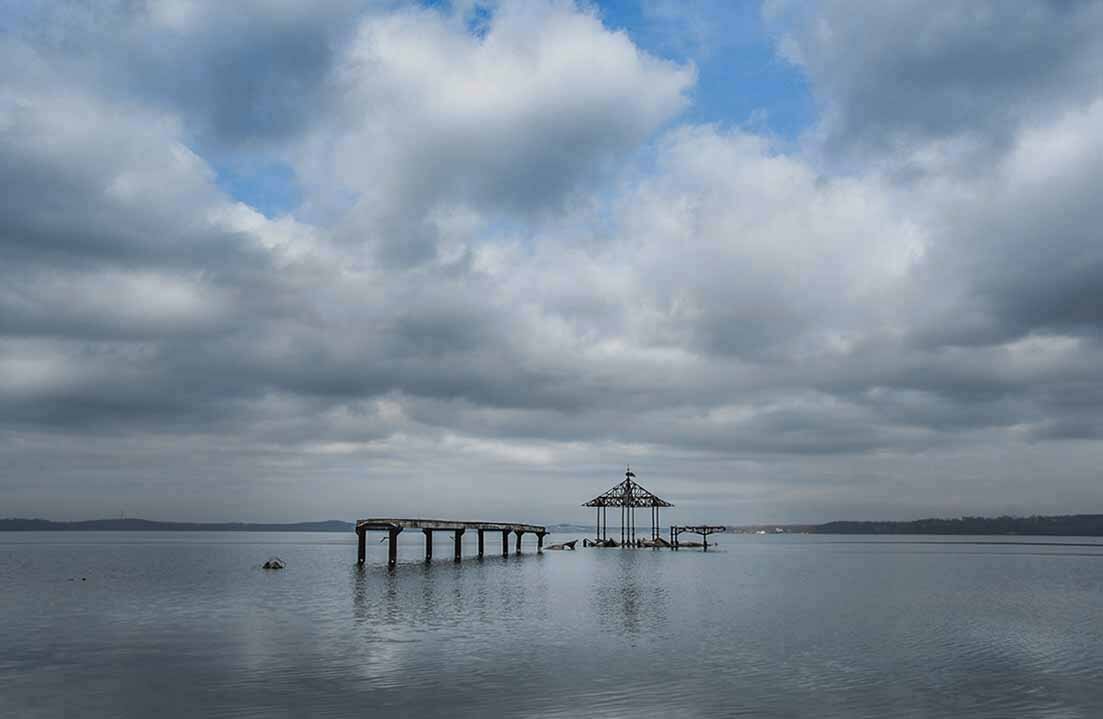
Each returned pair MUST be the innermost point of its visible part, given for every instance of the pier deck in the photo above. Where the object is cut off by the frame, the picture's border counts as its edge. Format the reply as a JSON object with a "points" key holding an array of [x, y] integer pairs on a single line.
{"points": [[394, 526], [703, 529]]}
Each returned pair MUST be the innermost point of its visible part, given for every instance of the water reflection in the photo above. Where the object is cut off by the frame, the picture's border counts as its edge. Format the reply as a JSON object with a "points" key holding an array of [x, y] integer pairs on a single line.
{"points": [[629, 594], [777, 629]]}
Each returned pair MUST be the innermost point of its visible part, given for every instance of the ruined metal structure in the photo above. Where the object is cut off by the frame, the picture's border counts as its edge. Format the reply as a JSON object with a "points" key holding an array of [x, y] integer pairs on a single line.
{"points": [[628, 495], [393, 527], [703, 529]]}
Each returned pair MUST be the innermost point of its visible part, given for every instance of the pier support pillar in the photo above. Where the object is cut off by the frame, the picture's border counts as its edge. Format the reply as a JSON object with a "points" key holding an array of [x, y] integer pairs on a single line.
{"points": [[519, 533], [457, 541], [361, 545], [480, 544], [505, 542], [392, 546], [540, 542], [428, 544]]}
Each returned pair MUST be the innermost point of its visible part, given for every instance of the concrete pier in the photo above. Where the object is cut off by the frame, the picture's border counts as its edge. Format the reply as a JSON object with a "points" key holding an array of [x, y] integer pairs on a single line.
{"points": [[394, 527]]}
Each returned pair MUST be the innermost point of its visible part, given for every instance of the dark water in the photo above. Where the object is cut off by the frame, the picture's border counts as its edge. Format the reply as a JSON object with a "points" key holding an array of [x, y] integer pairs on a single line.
{"points": [[777, 626]]}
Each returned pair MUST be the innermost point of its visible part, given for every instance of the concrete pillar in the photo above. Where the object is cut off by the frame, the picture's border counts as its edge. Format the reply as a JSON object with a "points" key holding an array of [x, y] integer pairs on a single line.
{"points": [[519, 533], [505, 542], [428, 544], [392, 546], [361, 545], [458, 544], [480, 544]]}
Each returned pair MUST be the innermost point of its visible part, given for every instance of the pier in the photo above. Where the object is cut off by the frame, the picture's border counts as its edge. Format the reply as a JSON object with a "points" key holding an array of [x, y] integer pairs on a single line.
{"points": [[703, 529], [393, 527]]}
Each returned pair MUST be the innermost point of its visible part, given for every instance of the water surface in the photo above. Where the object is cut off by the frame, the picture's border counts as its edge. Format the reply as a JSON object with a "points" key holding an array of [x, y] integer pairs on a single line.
{"points": [[186, 624]]}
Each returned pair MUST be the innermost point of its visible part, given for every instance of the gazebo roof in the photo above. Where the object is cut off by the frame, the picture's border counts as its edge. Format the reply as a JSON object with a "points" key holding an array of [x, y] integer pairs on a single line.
{"points": [[628, 493]]}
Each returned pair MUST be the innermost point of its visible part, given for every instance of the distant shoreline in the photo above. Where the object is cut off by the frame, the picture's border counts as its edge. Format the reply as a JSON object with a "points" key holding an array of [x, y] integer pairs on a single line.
{"points": [[1066, 525], [147, 525], [1070, 525]]}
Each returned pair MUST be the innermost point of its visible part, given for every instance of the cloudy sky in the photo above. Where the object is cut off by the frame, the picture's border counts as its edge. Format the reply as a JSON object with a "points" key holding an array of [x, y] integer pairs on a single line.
{"points": [[285, 260]]}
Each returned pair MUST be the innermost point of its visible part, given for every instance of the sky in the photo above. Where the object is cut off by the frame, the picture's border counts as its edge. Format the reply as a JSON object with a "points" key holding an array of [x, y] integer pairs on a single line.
{"points": [[792, 261]]}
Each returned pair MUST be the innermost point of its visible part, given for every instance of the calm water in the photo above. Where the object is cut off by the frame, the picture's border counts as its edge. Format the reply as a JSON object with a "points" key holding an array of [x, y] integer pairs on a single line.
{"points": [[779, 626]]}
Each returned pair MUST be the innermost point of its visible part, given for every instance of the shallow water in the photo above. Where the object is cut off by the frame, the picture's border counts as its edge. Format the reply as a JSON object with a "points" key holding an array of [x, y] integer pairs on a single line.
{"points": [[186, 624]]}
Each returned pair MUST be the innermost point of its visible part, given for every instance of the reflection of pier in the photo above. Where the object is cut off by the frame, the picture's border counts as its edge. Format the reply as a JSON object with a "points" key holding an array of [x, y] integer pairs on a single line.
{"points": [[703, 529], [394, 527], [628, 495]]}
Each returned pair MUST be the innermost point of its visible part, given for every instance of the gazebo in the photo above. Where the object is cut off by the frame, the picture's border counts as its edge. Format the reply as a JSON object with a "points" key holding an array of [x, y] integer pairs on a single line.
{"points": [[628, 495]]}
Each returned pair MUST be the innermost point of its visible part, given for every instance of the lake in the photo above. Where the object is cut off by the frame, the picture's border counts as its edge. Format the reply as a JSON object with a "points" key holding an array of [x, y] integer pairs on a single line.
{"points": [[97, 624]]}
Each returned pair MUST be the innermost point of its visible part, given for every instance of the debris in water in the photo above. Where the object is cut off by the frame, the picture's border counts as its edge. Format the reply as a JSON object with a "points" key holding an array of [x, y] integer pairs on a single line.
{"points": [[565, 545]]}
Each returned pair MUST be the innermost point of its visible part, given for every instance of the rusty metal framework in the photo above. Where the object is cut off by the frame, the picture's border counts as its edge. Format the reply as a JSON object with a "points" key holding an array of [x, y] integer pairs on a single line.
{"points": [[628, 495], [703, 529]]}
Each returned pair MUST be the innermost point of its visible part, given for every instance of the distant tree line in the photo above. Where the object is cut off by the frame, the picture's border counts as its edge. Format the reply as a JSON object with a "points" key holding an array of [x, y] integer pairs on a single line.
{"points": [[1074, 525], [146, 525]]}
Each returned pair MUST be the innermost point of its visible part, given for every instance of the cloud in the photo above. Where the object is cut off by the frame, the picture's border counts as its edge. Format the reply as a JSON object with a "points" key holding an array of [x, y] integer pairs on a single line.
{"points": [[898, 73], [436, 122], [515, 266]]}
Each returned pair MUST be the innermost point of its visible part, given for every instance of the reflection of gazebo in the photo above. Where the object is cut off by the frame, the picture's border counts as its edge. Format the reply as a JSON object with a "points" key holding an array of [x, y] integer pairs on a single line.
{"points": [[627, 495]]}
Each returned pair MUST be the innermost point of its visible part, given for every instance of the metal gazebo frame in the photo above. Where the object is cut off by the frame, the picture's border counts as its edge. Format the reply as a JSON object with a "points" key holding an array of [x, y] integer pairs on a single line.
{"points": [[628, 495]]}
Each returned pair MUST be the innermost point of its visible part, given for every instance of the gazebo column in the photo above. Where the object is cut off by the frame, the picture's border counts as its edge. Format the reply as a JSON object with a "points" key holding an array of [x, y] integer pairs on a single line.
{"points": [[457, 542]]}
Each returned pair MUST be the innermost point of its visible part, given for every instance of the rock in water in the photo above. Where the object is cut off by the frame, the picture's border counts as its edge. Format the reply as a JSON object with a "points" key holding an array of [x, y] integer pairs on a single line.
{"points": [[274, 563]]}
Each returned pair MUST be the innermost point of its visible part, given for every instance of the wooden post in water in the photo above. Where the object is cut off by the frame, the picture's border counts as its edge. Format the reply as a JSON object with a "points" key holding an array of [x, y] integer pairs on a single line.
{"points": [[428, 544], [392, 546], [458, 542], [361, 545], [505, 542], [480, 544]]}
